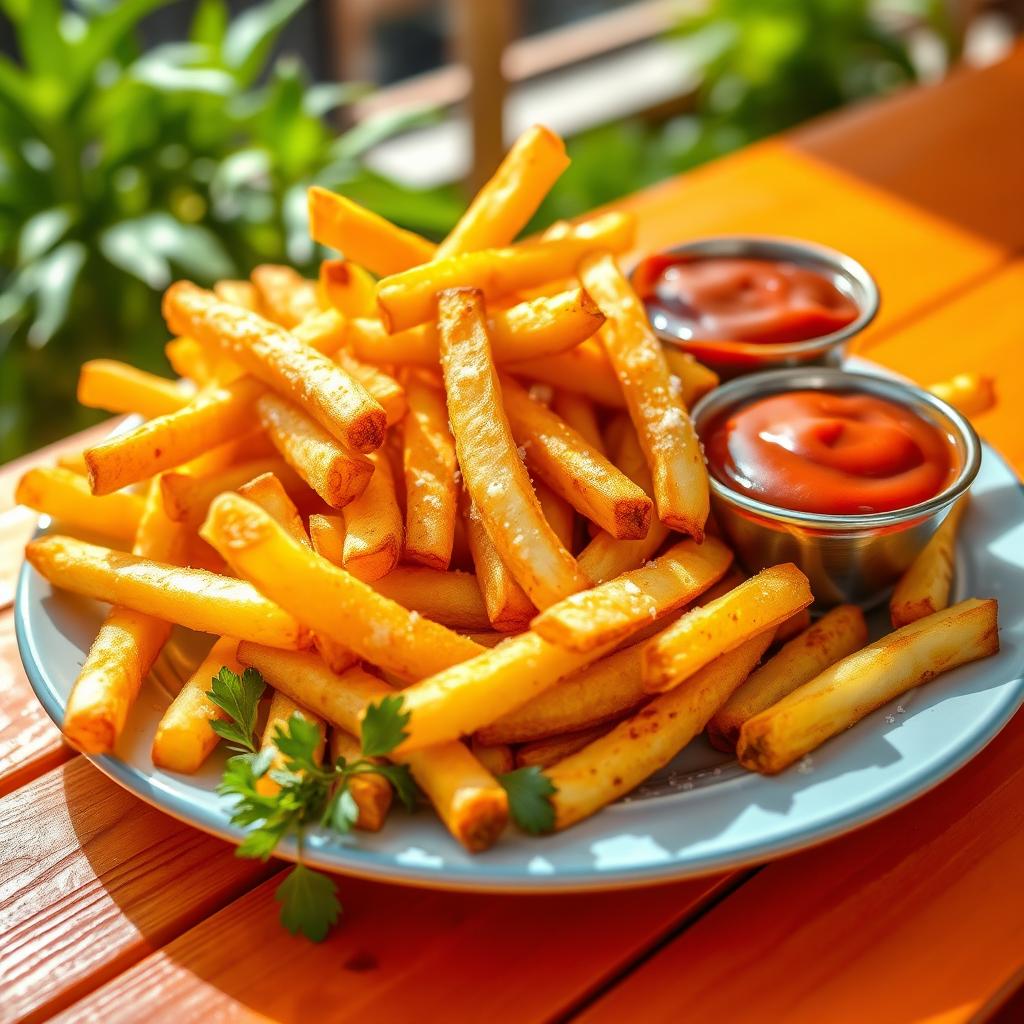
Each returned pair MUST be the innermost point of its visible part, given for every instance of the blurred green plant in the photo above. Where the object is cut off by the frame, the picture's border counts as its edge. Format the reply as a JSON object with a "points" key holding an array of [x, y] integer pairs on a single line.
{"points": [[121, 169]]}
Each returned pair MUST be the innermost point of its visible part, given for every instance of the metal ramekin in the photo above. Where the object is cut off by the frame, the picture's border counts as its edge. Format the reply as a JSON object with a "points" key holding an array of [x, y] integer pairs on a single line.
{"points": [[845, 273], [847, 558]]}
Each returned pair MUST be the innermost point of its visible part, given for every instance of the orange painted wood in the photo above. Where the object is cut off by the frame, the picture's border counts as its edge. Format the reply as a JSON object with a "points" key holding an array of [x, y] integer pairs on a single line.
{"points": [[402, 955], [91, 881]]}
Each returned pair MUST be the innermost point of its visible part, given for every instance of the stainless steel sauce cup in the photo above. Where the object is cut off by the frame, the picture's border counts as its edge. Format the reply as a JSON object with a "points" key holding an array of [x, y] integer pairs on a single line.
{"points": [[847, 558], [744, 357]]}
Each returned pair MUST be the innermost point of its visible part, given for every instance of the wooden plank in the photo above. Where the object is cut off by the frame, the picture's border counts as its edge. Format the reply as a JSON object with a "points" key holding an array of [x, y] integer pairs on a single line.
{"points": [[91, 881], [400, 955]]}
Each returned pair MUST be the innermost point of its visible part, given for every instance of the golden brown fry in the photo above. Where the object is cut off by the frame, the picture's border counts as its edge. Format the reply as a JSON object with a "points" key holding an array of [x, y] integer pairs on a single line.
{"points": [[835, 635], [662, 423], [281, 709], [466, 796], [494, 476], [503, 206], [796, 623], [382, 387], [619, 761], [324, 331], [409, 298], [66, 497], [117, 387], [373, 526], [348, 288], [692, 380], [239, 293], [337, 475], [276, 357], [701, 635], [971, 393], [267, 491], [184, 738], [852, 688], [429, 467], [365, 237], [546, 752], [560, 515], [451, 598], [579, 412], [331, 601], [528, 330], [286, 296], [613, 610], [583, 370], [327, 534], [573, 469], [194, 598], [497, 759], [75, 462], [924, 588], [166, 442], [188, 359], [371, 792]]}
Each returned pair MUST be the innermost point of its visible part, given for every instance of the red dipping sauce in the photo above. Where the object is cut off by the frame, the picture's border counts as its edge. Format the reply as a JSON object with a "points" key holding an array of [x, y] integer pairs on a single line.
{"points": [[832, 453], [722, 299]]}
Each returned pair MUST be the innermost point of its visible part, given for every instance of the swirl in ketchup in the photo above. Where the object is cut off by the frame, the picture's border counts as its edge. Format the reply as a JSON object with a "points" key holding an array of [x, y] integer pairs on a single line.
{"points": [[717, 298], [830, 452]]}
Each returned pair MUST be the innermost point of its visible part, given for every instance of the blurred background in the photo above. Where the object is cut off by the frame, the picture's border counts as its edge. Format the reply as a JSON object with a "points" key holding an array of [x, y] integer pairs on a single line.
{"points": [[145, 140]]}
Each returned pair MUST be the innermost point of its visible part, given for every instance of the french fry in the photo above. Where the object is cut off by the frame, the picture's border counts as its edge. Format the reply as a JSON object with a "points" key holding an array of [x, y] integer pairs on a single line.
{"points": [[365, 237], [382, 387], [331, 601], [852, 688], [528, 330], [466, 796], [267, 491], [619, 761], [611, 611], [73, 461], [286, 296], [495, 478], [239, 293], [583, 370], [324, 331], [429, 467], [327, 534], [408, 298], [701, 635], [578, 411], [281, 709], [503, 206], [451, 598], [795, 624], [924, 588], [117, 387], [336, 474], [195, 598], [348, 288], [66, 497], [693, 380], [184, 737], [273, 355], [573, 469], [560, 515], [497, 759], [544, 753], [372, 793], [373, 526], [662, 423], [835, 635], [165, 442], [971, 393], [188, 359]]}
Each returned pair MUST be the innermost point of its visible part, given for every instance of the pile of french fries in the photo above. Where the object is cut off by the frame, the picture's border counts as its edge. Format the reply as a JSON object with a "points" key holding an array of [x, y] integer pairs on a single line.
{"points": [[464, 472]]}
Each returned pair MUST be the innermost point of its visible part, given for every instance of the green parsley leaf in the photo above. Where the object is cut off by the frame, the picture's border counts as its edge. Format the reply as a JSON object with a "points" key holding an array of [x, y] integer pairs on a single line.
{"points": [[529, 799], [239, 696], [342, 812], [309, 902], [384, 726], [297, 741], [401, 779]]}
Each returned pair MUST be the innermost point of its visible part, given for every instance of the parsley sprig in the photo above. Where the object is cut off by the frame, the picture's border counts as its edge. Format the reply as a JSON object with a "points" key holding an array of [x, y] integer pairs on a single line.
{"points": [[307, 793], [529, 799]]}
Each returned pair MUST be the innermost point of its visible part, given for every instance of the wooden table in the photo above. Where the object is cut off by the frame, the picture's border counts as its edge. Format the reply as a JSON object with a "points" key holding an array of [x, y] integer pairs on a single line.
{"points": [[111, 911]]}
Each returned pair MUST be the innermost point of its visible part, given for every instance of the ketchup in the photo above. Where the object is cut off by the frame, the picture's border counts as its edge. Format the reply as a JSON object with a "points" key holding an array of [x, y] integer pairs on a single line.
{"points": [[830, 452], [719, 298]]}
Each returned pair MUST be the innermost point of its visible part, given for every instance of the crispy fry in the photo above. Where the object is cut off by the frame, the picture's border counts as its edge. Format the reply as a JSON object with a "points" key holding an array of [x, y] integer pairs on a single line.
{"points": [[497, 760], [348, 288], [188, 359], [573, 469], [619, 761], [409, 298], [267, 491], [466, 796], [560, 515], [324, 331], [276, 357], [327, 534], [528, 330], [286, 296], [282, 707], [239, 293], [658, 413], [66, 497], [701, 635], [331, 601], [372, 793], [75, 462], [610, 611], [502, 207], [429, 467], [544, 753], [971, 393], [337, 475], [579, 412], [184, 738], [835, 635], [495, 478], [583, 370], [194, 598], [373, 526], [924, 588], [382, 387], [796, 623], [695, 379], [165, 442], [117, 387], [852, 688]]}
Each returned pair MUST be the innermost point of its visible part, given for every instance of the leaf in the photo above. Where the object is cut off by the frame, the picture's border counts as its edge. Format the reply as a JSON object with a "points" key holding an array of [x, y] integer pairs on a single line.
{"points": [[374, 130], [239, 696], [297, 742], [210, 24], [251, 35], [529, 799], [42, 47], [258, 843], [384, 726], [41, 232], [342, 812], [309, 902], [54, 281], [401, 779], [322, 98], [172, 68]]}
